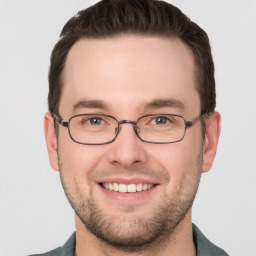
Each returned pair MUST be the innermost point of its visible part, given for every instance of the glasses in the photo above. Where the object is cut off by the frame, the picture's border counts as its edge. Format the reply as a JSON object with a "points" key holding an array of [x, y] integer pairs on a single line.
{"points": [[99, 129]]}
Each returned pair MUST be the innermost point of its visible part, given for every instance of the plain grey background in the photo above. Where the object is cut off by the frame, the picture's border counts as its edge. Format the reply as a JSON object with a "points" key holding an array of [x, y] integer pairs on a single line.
{"points": [[34, 213]]}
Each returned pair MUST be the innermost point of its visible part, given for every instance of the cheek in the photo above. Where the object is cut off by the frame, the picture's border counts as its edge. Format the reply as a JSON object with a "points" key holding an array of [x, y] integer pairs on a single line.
{"points": [[76, 162], [174, 157], [77, 158], [179, 159]]}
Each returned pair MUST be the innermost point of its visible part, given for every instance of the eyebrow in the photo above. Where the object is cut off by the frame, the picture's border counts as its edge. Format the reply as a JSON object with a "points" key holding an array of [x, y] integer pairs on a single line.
{"points": [[84, 103], [161, 103], [155, 104]]}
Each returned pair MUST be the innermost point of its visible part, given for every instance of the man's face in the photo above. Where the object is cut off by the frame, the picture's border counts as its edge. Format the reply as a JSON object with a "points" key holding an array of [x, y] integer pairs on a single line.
{"points": [[125, 75]]}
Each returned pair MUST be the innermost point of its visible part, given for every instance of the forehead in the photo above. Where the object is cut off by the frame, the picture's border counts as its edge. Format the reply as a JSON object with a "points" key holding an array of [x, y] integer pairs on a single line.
{"points": [[129, 70]]}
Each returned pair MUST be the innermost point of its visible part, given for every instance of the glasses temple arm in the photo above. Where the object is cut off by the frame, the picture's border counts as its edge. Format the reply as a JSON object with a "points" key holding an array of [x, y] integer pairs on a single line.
{"points": [[59, 120], [191, 123]]}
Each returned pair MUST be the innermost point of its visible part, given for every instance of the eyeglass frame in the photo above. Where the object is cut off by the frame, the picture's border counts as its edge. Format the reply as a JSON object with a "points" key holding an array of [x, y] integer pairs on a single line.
{"points": [[134, 123]]}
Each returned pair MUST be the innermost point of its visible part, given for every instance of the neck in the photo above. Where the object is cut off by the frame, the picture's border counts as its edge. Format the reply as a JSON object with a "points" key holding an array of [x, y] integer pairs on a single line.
{"points": [[180, 242]]}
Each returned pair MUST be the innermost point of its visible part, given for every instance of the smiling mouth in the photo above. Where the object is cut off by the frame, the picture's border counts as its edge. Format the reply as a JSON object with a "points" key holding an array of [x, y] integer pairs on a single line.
{"points": [[127, 188]]}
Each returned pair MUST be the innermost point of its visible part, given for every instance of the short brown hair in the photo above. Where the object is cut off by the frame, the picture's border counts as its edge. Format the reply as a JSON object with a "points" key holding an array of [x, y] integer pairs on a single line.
{"points": [[110, 18]]}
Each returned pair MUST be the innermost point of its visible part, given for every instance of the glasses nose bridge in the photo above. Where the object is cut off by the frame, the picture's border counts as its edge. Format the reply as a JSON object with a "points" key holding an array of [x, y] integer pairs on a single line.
{"points": [[134, 123], [126, 122]]}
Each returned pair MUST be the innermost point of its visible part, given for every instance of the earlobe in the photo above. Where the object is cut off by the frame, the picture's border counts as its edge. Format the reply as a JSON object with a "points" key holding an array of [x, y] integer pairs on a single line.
{"points": [[212, 133], [51, 140]]}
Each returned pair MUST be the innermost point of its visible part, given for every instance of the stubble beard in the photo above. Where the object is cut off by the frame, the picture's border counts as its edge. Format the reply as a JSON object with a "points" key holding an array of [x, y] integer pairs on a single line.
{"points": [[129, 234]]}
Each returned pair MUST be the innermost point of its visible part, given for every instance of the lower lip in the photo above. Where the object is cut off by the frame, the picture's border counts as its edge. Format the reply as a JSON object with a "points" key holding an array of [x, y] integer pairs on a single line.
{"points": [[133, 196]]}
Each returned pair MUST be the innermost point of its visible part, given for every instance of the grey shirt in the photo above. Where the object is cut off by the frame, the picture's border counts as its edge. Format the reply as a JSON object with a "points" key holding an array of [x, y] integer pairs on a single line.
{"points": [[203, 246]]}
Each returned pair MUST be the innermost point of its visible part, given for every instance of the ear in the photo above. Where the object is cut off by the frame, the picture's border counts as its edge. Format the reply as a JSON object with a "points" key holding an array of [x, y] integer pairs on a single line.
{"points": [[51, 140], [212, 133]]}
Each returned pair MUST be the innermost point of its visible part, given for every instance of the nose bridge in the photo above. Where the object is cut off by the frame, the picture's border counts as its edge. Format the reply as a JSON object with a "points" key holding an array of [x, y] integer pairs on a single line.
{"points": [[127, 122], [127, 149]]}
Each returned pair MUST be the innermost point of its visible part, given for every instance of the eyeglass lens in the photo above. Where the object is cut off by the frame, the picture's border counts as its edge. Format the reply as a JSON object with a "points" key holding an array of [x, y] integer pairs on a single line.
{"points": [[100, 129]]}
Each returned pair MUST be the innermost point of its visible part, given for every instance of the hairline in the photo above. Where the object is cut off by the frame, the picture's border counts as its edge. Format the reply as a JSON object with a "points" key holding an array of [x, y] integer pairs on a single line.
{"points": [[196, 69], [196, 76]]}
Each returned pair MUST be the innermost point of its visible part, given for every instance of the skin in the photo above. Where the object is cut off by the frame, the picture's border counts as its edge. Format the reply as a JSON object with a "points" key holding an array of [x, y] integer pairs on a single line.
{"points": [[126, 73]]}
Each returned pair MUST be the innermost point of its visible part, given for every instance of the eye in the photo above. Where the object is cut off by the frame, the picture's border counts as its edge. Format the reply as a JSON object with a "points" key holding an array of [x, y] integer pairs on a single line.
{"points": [[160, 120], [95, 121]]}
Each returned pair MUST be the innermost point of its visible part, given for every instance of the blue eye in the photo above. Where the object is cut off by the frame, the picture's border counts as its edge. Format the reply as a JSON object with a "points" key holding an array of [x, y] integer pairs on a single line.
{"points": [[95, 121], [161, 120]]}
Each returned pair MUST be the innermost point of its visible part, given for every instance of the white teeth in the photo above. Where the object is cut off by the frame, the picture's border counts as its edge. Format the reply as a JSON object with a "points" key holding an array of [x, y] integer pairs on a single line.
{"points": [[150, 186], [122, 188], [139, 187], [144, 187], [130, 188], [115, 187], [110, 186]]}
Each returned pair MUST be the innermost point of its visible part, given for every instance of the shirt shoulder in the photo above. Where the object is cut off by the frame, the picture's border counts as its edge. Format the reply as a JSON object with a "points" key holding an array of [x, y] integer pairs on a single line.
{"points": [[55, 252], [204, 246], [66, 250]]}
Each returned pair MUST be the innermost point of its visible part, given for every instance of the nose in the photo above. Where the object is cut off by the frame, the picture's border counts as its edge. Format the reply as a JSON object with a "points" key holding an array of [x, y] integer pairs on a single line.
{"points": [[127, 149]]}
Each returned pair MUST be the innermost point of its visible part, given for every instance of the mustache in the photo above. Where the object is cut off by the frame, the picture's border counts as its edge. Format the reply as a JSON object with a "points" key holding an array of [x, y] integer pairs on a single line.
{"points": [[159, 176]]}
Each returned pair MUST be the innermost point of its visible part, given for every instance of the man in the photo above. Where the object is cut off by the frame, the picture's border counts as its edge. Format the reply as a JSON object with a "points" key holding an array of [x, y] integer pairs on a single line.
{"points": [[131, 127]]}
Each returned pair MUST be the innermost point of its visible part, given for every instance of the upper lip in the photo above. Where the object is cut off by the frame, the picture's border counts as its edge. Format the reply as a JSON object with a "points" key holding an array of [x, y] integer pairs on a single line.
{"points": [[122, 180]]}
